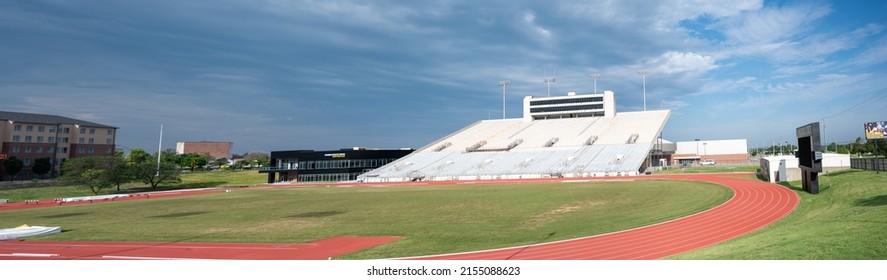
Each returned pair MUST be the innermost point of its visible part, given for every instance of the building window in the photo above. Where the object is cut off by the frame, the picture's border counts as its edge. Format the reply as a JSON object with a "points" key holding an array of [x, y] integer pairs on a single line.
{"points": [[110, 132], [27, 149], [15, 149], [91, 150], [30, 128], [91, 140], [28, 139], [80, 150], [51, 129], [50, 140], [64, 140], [64, 151], [16, 138], [83, 131], [109, 150], [18, 127], [26, 161], [92, 131], [38, 149], [81, 140], [50, 150], [41, 128], [108, 141], [67, 130]]}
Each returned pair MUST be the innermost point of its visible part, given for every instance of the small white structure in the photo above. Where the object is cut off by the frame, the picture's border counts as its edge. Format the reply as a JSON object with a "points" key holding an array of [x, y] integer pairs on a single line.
{"points": [[770, 166]]}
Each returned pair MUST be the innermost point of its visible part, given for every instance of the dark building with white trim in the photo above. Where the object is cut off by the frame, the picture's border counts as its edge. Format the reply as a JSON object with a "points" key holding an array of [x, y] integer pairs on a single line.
{"points": [[335, 165]]}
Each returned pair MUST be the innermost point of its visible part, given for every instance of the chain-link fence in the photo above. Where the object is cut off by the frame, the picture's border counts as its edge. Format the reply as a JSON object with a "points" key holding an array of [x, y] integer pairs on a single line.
{"points": [[879, 164]]}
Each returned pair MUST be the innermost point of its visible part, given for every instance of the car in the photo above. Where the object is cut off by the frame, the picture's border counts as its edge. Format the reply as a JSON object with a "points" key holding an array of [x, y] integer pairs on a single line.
{"points": [[707, 162]]}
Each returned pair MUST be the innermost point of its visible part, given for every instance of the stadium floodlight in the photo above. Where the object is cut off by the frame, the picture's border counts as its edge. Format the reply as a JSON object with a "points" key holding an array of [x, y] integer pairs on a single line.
{"points": [[643, 74], [159, 150], [594, 77], [503, 84], [548, 80]]}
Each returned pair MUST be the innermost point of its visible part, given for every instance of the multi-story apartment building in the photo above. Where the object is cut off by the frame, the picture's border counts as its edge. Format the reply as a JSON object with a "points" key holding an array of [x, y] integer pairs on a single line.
{"points": [[32, 136]]}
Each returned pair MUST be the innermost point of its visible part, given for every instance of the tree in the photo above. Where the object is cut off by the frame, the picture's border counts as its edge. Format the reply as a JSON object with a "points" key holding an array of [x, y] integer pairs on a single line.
{"points": [[13, 166], [220, 162], [192, 160], [118, 172], [42, 166], [169, 155], [149, 174], [257, 159], [137, 156], [90, 172]]}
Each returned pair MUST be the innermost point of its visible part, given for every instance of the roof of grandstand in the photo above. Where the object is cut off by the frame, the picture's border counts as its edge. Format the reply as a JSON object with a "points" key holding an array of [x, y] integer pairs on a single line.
{"points": [[618, 144]]}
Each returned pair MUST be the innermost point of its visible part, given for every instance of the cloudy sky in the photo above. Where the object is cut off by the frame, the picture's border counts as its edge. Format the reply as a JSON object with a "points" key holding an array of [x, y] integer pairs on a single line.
{"points": [[278, 75]]}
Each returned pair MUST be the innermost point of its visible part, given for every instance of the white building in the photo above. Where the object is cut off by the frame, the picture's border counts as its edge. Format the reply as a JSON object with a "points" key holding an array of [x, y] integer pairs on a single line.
{"points": [[770, 166]]}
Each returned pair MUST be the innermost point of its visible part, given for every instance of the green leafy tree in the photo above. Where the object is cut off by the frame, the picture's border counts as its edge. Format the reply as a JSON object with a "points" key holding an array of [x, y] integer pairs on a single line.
{"points": [[13, 166], [149, 174], [90, 172], [118, 172], [221, 163], [257, 159], [168, 155], [137, 156], [42, 166], [192, 160]]}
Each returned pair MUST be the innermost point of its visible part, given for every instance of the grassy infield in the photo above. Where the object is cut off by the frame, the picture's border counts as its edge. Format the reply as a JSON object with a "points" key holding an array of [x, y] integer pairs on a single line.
{"points": [[845, 221]]}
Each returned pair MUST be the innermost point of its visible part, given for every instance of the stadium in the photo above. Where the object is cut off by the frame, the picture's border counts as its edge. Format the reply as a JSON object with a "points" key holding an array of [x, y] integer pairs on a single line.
{"points": [[578, 135], [566, 156]]}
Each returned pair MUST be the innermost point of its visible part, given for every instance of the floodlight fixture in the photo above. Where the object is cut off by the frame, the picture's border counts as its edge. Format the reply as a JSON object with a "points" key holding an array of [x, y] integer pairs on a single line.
{"points": [[594, 77], [643, 74], [503, 84]]}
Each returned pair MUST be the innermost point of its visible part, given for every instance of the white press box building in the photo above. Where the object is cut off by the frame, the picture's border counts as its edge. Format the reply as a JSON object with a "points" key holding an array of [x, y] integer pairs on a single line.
{"points": [[578, 135]]}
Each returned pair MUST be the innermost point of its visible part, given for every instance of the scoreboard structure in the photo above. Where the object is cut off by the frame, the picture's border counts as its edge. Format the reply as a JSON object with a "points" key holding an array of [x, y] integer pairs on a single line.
{"points": [[809, 156]]}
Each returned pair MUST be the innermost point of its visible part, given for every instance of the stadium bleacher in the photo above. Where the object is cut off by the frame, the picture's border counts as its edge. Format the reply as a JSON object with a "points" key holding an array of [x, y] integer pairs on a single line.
{"points": [[615, 145]]}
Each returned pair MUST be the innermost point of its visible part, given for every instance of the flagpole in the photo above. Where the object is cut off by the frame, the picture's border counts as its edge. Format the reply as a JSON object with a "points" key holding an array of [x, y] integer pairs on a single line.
{"points": [[159, 147]]}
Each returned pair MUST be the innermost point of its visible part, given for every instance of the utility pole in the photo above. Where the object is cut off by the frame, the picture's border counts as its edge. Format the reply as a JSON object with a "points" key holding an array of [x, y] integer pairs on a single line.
{"points": [[594, 77], [643, 74], [503, 84]]}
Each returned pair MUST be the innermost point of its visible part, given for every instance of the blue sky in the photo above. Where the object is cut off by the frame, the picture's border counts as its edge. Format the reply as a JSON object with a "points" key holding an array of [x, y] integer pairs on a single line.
{"points": [[279, 75]]}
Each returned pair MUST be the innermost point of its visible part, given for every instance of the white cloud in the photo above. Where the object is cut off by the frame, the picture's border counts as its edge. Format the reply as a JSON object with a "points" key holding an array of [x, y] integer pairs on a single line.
{"points": [[691, 63], [530, 20]]}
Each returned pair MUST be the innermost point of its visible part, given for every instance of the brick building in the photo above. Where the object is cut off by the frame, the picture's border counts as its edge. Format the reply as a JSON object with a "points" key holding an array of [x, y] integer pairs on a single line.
{"points": [[214, 149], [32, 136]]}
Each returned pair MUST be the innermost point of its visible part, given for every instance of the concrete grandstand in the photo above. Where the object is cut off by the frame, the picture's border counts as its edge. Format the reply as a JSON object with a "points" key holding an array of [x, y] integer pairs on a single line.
{"points": [[561, 136]]}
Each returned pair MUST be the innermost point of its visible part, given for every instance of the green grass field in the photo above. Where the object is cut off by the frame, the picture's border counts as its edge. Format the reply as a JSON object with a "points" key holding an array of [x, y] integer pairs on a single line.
{"points": [[434, 219], [847, 220], [189, 181]]}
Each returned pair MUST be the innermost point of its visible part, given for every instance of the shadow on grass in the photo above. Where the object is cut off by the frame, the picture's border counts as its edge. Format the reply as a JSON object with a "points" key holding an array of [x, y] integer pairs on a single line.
{"points": [[317, 214], [198, 185], [178, 215], [879, 200], [66, 215]]}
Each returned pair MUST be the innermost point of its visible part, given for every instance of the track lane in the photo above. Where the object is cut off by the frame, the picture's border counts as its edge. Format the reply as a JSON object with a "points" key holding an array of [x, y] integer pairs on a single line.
{"points": [[754, 205]]}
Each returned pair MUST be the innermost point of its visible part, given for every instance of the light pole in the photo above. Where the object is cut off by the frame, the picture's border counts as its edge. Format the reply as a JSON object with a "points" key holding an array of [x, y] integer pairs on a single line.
{"points": [[594, 77], [697, 147], [503, 84], [643, 74], [704, 150], [548, 81]]}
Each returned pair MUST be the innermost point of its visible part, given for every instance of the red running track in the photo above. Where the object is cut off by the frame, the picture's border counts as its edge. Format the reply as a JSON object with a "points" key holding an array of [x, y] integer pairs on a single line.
{"points": [[755, 204]]}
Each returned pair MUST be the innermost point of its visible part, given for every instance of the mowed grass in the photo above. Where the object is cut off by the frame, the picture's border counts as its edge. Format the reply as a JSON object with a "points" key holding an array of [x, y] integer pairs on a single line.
{"points": [[189, 181], [433, 219], [847, 220]]}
